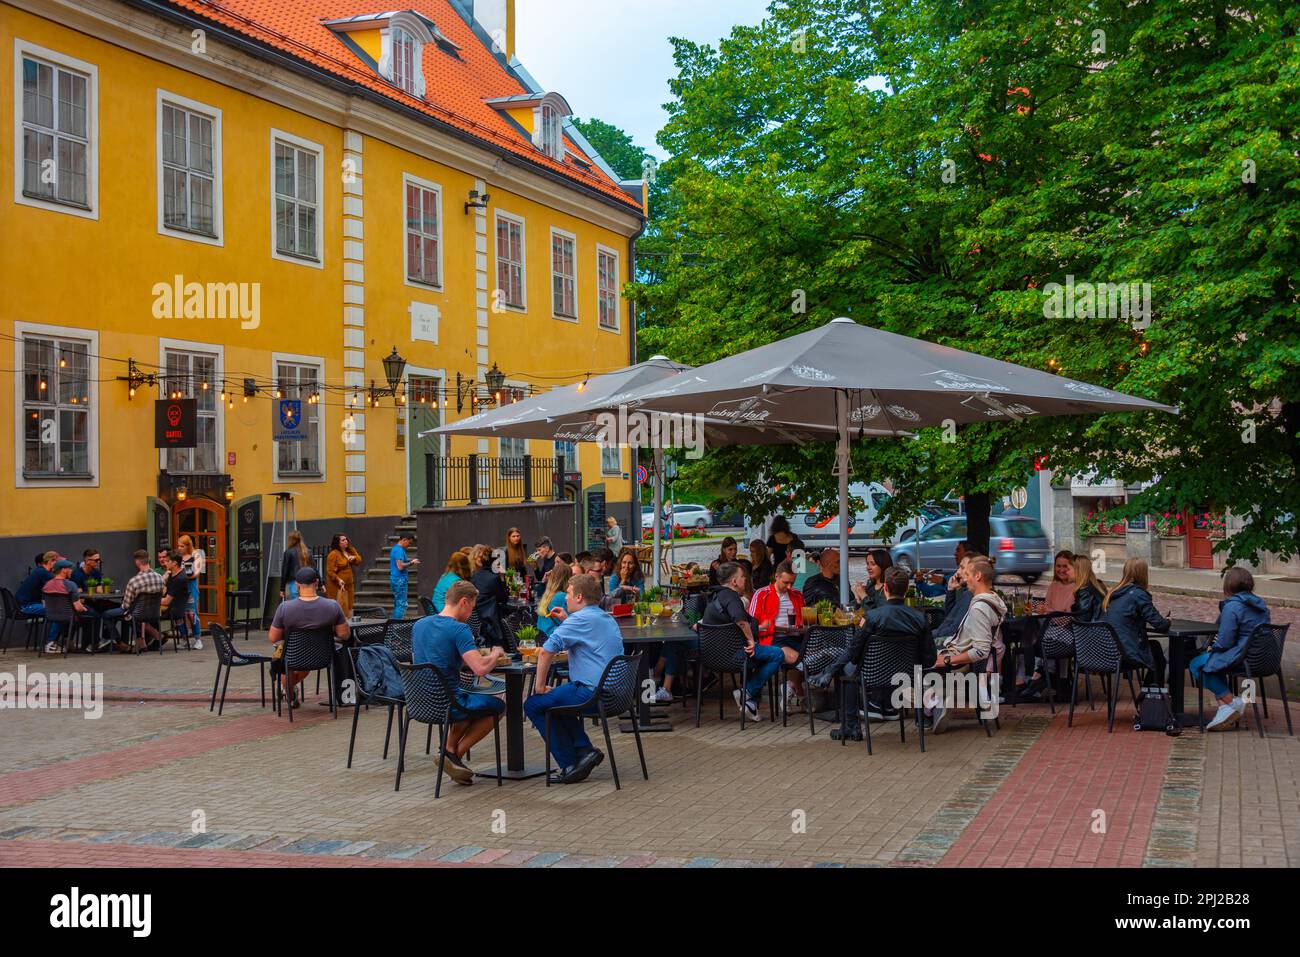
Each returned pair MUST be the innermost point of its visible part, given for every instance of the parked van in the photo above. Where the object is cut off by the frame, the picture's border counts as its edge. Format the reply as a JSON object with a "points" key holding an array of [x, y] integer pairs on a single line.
{"points": [[819, 528]]}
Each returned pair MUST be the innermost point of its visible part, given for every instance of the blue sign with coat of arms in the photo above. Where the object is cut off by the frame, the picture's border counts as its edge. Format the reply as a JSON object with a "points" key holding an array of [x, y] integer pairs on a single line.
{"points": [[288, 424]]}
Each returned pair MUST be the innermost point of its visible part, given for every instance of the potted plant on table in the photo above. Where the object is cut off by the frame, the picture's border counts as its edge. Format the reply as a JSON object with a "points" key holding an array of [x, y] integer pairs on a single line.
{"points": [[825, 613], [105, 586]]}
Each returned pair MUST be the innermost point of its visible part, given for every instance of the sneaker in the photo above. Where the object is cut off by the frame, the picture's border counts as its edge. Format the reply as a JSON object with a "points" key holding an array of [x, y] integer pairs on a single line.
{"points": [[104, 643], [52, 648], [197, 644], [1239, 703], [1224, 718], [458, 770], [748, 706], [881, 714], [938, 719], [663, 696]]}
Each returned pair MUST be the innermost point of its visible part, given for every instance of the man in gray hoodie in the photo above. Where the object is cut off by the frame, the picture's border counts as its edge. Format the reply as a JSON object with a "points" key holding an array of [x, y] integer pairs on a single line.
{"points": [[978, 634]]}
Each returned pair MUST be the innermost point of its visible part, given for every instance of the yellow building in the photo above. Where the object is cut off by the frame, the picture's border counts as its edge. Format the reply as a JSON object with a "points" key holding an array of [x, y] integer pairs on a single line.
{"points": [[255, 202]]}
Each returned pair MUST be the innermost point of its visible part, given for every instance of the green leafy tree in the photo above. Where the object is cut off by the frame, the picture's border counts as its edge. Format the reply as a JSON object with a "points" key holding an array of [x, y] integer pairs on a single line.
{"points": [[929, 167]]}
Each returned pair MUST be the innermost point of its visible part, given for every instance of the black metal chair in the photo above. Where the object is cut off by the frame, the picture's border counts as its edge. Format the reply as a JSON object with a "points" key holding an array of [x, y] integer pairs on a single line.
{"points": [[60, 611], [820, 648], [228, 658], [429, 700], [1097, 651], [308, 651], [1263, 659], [1056, 643], [367, 694], [233, 607], [14, 616], [475, 626], [176, 620], [615, 695], [369, 634], [146, 612], [722, 651], [426, 606], [882, 659], [377, 612], [397, 636]]}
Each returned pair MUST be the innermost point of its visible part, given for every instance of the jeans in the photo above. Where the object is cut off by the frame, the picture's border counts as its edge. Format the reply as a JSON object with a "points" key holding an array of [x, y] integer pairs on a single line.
{"points": [[569, 740], [108, 619], [35, 608], [467, 701], [1216, 683], [674, 653], [398, 584], [766, 662]]}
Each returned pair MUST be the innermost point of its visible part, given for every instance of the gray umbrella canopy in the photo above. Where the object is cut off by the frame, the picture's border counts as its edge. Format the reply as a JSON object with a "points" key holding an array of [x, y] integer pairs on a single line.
{"points": [[892, 383], [584, 412]]}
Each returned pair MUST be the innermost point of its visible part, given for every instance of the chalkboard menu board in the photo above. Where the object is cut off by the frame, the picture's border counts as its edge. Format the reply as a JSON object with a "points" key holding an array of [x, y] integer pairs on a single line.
{"points": [[1138, 523], [248, 545], [595, 518], [161, 520]]}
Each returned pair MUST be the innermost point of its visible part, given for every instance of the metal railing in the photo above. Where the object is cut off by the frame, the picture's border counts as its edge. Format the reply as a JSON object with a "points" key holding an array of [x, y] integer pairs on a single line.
{"points": [[479, 479]]}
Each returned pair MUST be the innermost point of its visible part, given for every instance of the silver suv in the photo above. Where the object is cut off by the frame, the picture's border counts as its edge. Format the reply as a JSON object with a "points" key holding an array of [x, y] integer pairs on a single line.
{"points": [[1018, 543]]}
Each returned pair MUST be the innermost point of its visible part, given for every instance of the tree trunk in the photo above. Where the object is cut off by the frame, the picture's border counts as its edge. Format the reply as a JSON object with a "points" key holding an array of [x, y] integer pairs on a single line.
{"points": [[978, 509]]}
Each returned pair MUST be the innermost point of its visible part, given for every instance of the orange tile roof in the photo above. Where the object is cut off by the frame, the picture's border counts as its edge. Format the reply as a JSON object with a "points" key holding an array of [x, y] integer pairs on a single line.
{"points": [[455, 90]]}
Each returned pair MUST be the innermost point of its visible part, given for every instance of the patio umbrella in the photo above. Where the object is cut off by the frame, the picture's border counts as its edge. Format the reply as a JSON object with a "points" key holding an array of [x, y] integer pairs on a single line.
{"points": [[571, 414], [845, 376]]}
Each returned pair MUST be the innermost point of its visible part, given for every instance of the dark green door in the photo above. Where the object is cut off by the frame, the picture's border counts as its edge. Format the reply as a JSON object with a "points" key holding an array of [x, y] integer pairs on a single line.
{"points": [[422, 393]]}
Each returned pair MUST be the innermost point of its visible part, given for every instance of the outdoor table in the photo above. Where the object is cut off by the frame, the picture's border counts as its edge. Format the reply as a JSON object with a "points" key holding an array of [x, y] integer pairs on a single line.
{"points": [[233, 597], [515, 673], [661, 630], [96, 605], [102, 598], [1181, 632]]}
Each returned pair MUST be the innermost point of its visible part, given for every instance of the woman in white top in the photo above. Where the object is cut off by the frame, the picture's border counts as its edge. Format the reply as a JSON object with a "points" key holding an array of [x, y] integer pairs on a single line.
{"points": [[193, 564]]}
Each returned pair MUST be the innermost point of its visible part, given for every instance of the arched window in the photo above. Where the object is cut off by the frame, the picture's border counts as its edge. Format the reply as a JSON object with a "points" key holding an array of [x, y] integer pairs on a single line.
{"points": [[404, 59]]}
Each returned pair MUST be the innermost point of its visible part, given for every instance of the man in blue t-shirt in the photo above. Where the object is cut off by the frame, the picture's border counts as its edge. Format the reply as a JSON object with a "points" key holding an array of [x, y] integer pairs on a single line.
{"points": [[592, 639], [29, 592], [399, 565], [445, 641]]}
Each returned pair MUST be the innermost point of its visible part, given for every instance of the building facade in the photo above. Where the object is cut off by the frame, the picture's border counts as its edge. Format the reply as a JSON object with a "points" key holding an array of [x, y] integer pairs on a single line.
{"points": [[239, 210]]}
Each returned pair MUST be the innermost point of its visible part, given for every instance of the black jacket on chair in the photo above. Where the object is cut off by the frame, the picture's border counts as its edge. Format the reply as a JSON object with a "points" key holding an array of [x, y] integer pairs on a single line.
{"points": [[491, 600], [1129, 611], [1087, 603], [892, 621]]}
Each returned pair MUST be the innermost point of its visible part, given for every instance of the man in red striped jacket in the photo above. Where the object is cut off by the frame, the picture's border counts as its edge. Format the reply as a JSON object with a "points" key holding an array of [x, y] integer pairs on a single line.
{"points": [[780, 604]]}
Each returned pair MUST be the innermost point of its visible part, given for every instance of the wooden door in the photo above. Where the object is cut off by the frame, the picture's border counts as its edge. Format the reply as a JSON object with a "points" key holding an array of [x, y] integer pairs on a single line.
{"points": [[205, 522], [1200, 546]]}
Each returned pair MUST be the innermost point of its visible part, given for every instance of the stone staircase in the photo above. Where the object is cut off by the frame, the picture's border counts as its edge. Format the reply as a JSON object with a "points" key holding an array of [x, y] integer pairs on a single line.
{"points": [[373, 588]]}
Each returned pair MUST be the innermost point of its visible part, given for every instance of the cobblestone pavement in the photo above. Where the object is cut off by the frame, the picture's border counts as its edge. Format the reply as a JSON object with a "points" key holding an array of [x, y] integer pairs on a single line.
{"points": [[161, 780]]}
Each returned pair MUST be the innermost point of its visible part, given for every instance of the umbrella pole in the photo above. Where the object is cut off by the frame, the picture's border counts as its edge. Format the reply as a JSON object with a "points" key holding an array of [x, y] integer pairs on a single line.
{"points": [[842, 472], [657, 558]]}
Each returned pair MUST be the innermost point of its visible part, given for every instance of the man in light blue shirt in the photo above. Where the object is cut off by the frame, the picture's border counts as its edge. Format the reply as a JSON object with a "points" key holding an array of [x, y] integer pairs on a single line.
{"points": [[399, 566], [592, 639]]}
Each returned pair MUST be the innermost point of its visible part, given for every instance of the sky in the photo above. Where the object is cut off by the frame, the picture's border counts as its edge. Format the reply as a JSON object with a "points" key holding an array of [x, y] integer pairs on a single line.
{"points": [[611, 58]]}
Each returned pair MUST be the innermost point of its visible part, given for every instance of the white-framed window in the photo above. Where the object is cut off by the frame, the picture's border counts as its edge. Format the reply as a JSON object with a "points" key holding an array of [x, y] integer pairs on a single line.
{"points": [[511, 261], [611, 460], [195, 373], [297, 198], [401, 58], [511, 457], [564, 274], [56, 398], [299, 377], [569, 452], [607, 285], [56, 163], [422, 204], [189, 169], [552, 137]]}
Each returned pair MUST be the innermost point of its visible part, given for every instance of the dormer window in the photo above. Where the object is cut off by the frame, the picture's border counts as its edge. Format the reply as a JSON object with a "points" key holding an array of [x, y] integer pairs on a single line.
{"points": [[552, 139], [405, 59]]}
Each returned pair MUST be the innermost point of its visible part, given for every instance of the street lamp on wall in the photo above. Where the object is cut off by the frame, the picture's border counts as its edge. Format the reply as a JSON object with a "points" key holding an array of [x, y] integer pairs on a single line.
{"points": [[394, 367]]}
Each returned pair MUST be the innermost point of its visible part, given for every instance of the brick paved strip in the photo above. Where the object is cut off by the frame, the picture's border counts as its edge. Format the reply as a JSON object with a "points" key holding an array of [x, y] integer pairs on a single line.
{"points": [[947, 825], [46, 853], [1173, 840], [1078, 797], [19, 787]]}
